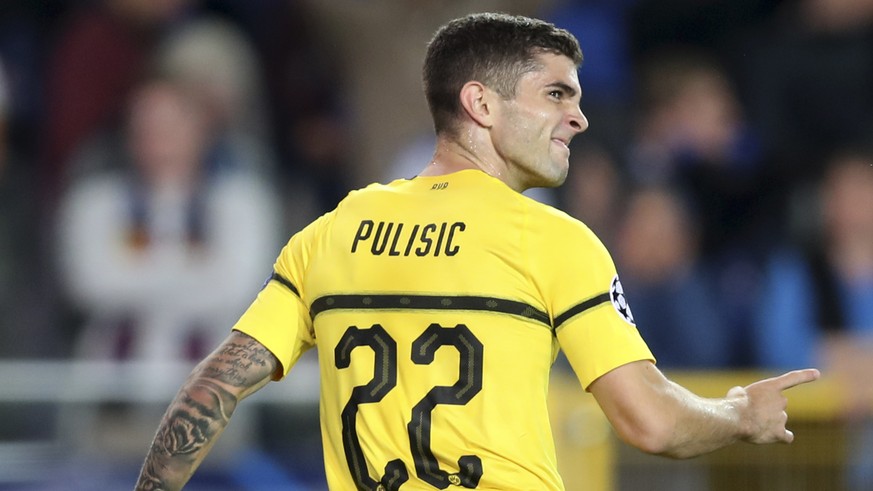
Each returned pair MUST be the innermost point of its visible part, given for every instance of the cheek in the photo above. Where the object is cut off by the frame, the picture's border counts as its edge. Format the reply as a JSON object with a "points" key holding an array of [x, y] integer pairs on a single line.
{"points": [[534, 133], [524, 121], [526, 136]]}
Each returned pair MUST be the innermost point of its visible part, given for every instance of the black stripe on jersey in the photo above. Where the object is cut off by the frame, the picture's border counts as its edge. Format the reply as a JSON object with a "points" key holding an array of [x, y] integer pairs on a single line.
{"points": [[428, 302], [284, 281], [581, 307]]}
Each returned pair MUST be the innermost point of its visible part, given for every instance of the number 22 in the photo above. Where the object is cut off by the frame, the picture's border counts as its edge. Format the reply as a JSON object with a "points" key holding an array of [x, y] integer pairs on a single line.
{"points": [[384, 379]]}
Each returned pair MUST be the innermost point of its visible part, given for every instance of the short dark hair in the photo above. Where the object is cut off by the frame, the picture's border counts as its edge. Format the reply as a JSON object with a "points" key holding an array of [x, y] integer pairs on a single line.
{"points": [[494, 49]]}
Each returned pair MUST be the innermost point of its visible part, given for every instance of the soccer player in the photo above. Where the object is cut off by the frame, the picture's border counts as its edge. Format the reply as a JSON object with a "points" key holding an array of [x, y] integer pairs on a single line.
{"points": [[438, 304]]}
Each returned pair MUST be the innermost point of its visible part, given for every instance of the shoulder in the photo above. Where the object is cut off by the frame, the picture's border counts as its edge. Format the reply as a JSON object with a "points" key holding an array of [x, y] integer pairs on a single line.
{"points": [[374, 189], [550, 223], [564, 251], [372, 195]]}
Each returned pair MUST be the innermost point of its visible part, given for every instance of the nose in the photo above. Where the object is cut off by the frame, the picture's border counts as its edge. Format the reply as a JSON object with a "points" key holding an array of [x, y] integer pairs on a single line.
{"points": [[577, 120]]}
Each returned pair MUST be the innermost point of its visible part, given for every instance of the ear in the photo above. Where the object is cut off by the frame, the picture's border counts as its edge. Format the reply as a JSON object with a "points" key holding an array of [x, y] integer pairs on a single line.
{"points": [[478, 102]]}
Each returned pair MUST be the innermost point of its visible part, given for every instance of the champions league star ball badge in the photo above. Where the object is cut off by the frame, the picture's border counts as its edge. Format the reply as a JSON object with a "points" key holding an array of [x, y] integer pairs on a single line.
{"points": [[619, 301]]}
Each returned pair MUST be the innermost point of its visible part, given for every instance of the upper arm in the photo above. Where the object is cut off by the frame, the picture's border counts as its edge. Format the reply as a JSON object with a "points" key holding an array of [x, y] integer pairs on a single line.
{"points": [[241, 365], [636, 399]]}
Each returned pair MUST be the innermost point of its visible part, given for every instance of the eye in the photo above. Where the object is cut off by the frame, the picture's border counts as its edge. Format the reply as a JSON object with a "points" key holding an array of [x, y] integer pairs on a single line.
{"points": [[556, 94]]}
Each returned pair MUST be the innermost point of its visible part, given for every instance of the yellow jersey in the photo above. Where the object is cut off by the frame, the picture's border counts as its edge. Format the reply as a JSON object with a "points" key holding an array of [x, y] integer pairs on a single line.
{"points": [[438, 305]]}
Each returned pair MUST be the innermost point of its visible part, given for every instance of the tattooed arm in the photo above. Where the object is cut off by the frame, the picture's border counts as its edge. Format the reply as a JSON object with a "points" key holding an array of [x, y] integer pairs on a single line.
{"points": [[202, 409]]}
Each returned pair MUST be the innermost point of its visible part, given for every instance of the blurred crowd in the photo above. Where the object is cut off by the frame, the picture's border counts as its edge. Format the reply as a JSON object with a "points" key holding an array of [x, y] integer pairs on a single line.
{"points": [[156, 154]]}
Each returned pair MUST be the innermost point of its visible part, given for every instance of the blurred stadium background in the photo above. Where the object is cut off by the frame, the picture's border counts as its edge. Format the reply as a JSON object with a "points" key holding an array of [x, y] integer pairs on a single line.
{"points": [[156, 154]]}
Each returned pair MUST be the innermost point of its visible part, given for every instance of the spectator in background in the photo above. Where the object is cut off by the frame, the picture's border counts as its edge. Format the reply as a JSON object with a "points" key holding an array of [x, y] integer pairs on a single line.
{"points": [[818, 301], [219, 64], [161, 254], [807, 74], [675, 304], [819, 293], [693, 136], [95, 61], [158, 254], [692, 132]]}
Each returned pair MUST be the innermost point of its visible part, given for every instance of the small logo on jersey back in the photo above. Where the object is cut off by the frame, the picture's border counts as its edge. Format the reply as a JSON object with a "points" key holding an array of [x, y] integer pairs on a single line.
{"points": [[619, 301]]}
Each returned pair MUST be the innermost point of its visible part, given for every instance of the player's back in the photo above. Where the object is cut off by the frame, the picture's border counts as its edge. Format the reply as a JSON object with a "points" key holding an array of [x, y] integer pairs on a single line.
{"points": [[434, 340]]}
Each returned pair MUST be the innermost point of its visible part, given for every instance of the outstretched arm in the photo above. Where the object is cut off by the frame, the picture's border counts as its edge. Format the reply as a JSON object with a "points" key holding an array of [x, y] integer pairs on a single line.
{"points": [[659, 416], [202, 408]]}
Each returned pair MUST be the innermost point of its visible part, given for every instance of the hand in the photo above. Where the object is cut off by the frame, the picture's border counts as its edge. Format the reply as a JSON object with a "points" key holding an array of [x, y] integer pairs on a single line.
{"points": [[765, 405]]}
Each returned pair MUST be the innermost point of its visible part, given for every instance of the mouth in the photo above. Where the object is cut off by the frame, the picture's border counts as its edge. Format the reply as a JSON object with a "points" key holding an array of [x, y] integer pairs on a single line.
{"points": [[562, 143]]}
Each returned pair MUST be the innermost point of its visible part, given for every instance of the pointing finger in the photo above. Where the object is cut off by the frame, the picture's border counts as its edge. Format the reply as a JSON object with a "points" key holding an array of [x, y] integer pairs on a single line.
{"points": [[796, 377]]}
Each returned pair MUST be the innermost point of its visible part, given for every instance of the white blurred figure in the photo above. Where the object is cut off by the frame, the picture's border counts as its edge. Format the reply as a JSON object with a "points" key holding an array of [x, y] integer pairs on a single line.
{"points": [[162, 255], [159, 257]]}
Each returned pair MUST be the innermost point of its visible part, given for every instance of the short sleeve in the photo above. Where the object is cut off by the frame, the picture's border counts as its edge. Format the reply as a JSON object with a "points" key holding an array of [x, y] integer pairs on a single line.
{"points": [[591, 316], [279, 317]]}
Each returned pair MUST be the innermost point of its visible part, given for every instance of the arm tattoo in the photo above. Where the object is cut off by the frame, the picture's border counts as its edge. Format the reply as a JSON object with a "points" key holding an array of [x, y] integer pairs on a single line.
{"points": [[203, 406], [202, 409], [199, 413], [236, 363]]}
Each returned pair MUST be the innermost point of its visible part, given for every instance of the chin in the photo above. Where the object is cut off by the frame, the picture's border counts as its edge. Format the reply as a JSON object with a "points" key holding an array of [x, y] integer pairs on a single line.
{"points": [[557, 181], [559, 175], [551, 181], [549, 173]]}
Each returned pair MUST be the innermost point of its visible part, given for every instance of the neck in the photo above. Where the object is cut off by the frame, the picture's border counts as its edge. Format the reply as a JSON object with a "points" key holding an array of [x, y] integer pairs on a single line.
{"points": [[452, 155]]}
